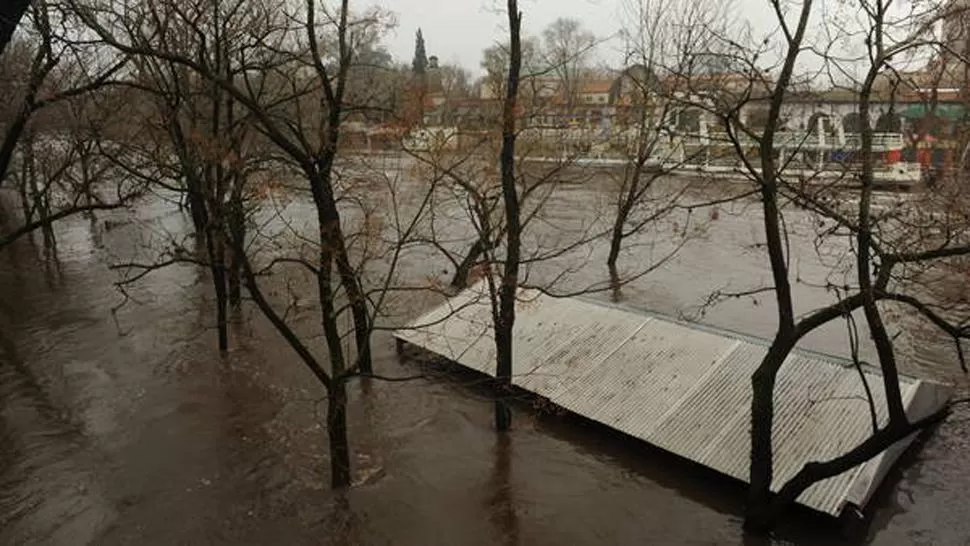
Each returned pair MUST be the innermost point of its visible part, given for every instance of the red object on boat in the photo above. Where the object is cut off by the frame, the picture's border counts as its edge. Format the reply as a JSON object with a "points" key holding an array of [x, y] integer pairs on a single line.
{"points": [[924, 156]]}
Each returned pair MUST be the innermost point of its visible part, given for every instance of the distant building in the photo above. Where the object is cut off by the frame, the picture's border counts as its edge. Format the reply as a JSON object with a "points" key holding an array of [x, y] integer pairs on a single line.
{"points": [[594, 92]]}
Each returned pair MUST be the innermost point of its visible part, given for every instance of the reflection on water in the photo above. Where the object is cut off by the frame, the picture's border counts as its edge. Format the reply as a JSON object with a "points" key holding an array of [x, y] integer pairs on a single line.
{"points": [[135, 432], [501, 500]]}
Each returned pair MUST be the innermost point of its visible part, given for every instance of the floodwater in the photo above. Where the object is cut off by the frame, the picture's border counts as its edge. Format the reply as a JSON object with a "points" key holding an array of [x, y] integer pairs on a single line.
{"points": [[121, 424]]}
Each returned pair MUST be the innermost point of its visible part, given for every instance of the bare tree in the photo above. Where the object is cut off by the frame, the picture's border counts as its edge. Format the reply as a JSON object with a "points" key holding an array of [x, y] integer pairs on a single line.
{"points": [[663, 40], [566, 48], [454, 80], [503, 314], [207, 132], [47, 81], [495, 63], [892, 255], [513, 215], [541, 90], [40, 83], [356, 244]]}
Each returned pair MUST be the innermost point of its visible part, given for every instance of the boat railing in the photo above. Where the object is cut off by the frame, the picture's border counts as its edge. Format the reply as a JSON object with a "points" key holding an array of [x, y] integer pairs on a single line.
{"points": [[795, 139]]}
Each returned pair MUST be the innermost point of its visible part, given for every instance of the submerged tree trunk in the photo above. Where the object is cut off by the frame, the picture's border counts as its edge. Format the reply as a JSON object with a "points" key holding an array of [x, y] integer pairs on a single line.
{"points": [[337, 432], [221, 307], [87, 182], [507, 291], [233, 273], [237, 229], [336, 392], [336, 389], [44, 208], [503, 345], [197, 209], [36, 199], [217, 268], [759, 514], [628, 199], [616, 243], [358, 310], [501, 502], [759, 517], [764, 508], [28, 178]]}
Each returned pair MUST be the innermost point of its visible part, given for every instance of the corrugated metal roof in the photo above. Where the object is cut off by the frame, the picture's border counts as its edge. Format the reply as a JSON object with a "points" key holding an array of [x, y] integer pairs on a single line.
{"points": [[684, 388]]}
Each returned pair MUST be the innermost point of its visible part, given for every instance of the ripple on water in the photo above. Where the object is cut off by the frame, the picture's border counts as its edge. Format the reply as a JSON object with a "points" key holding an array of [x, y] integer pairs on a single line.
{"points": [[137, 432]]}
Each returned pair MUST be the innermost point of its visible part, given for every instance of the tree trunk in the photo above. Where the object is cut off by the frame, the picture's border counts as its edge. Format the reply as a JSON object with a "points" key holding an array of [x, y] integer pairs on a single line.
{"points": [[331, 234], [50, 243], [217, 268], [616, 242], [460, 280], [219, 280], [328, 216], [358, 302], [237, 229], [629, 195], [39, 201], [336, 390], [877, 329], [361, 331], [337, 431], [221, 307], [337, 396], [503, 344], [197, 207], [759, 515], [507, 292], [235, 286], [11, 138], [87, 182], [501, 503], [28, 180]]}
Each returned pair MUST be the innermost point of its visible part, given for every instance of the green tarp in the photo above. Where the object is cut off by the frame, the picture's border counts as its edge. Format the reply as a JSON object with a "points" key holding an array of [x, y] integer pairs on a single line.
{"points": [[948, 111]]}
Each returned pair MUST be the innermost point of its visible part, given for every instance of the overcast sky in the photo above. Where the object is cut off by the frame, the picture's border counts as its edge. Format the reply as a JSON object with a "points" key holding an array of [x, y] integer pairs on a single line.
{"points": [[458, 30]]}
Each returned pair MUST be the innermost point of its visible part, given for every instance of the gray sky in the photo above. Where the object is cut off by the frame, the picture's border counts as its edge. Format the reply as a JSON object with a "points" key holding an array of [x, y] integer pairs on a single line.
{"points": [[458, 30]]}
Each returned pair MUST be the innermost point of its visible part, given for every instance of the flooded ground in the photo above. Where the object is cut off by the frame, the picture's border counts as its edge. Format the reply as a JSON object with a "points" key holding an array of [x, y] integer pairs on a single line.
{"points": [[123, 425]]}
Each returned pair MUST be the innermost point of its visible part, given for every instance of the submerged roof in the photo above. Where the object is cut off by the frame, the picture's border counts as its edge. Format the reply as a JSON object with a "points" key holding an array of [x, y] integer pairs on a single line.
{"points": [[681, 387]]}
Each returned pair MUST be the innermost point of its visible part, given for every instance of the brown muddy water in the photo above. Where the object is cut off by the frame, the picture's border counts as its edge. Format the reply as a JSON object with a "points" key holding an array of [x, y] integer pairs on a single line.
{"points": [[126, 427]]}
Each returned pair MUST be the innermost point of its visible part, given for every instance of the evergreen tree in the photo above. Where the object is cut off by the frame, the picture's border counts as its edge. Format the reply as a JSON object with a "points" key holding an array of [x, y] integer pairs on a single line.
{"points": [[420, 62]]}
